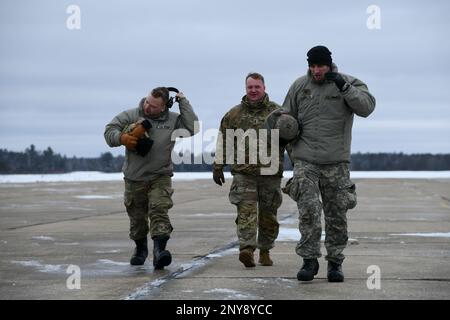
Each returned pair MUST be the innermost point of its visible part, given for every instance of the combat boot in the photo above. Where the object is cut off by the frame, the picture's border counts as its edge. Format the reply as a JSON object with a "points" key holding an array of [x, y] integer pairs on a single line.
{"points": [[309, 270], [161, 256], [140, 252], [335, 273], [264, 258], [246, 257]]}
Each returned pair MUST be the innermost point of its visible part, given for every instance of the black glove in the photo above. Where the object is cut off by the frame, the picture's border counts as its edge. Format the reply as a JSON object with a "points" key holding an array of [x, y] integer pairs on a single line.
{"points": [[218, 177], [337, 78], [143, 146], [283, 143], [272, 118], [279, 112]]}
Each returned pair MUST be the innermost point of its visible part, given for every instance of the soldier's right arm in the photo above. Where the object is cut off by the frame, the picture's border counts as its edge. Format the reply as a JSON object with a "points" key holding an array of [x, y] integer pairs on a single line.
{"points": [[113, 130]]}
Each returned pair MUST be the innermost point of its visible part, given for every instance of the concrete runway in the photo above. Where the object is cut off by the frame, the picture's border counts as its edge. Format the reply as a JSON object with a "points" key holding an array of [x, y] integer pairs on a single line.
{"points": [[47, 227]]}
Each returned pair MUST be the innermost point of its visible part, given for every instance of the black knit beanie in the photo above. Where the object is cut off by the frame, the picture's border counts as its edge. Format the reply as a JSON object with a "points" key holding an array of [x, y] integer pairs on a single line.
{"points": [[319, 55]]}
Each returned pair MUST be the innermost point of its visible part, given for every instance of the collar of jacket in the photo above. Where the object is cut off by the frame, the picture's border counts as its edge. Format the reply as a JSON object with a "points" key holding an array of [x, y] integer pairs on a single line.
{"points": [[264, 103], [334, 68], [162, 117]]}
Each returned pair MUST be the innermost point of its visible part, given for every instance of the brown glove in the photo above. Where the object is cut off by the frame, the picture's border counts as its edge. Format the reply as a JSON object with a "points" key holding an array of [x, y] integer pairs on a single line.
{"points": [[128, 141], [141, 128]]}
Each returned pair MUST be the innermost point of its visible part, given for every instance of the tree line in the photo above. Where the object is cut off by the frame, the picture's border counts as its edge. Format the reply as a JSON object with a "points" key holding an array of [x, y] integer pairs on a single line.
{"points": [[47, 161]]}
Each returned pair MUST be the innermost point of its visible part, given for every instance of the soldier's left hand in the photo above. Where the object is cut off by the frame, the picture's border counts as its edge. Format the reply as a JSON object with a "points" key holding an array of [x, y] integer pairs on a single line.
{"points": [[337, 78], [279, 112]]}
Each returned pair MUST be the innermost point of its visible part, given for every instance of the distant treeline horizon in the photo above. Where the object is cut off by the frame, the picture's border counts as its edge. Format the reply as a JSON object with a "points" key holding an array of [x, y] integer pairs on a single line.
{"points": [[47, 161]]}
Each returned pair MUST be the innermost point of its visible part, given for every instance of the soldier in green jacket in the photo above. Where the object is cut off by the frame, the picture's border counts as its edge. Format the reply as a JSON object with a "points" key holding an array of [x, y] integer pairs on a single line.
{"points": [[324, 102], [255, 191], [147, 174]]}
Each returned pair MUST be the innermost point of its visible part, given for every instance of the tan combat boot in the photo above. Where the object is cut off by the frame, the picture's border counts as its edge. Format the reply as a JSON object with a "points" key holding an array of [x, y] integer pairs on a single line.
{"points": [[246, 257], [264, 258]]}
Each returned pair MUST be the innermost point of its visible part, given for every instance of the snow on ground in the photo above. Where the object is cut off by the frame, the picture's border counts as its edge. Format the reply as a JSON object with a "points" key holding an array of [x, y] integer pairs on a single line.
{"points": [[81, 176], [63, 177], [400, 174], [113, 263], [46, 268], [46, 238], [293, 234], [89, 197], [226, 293], [425, 234]]}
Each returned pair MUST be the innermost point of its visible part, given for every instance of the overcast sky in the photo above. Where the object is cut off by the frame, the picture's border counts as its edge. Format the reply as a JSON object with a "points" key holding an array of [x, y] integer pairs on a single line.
{"points": [[59, 87]]}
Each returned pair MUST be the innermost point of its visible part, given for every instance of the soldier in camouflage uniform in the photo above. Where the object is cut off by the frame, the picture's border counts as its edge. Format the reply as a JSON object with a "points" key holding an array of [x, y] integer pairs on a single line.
{"points": [[324, 102], [148, 184], [256, 193]]}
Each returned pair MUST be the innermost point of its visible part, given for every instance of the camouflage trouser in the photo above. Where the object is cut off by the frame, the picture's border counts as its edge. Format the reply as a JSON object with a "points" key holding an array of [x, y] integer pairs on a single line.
{"points": [[332, 183], [149, 199], [257, 200]]}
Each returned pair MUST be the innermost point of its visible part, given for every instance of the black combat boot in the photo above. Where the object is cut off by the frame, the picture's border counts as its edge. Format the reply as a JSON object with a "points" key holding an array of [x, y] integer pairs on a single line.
{"points": [[309, 270], [335, 273], [161, 256], [140, 252]]}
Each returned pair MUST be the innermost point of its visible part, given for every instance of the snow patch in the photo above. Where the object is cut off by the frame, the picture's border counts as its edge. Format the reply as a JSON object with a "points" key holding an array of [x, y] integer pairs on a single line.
{"points": [[114, 263], [374, 238], [145, 290], [425, 234], [259, 280], [212, 214], [286, 280], [400, 174], [288, 234], [79, 176], [46, 268], [94, 197], [293, 234], [231, 294], [67, 243], [45, 238]]}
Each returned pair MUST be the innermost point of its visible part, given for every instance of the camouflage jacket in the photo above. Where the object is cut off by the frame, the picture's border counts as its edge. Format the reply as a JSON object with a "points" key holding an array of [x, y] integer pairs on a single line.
{"points": [[246, 116]]}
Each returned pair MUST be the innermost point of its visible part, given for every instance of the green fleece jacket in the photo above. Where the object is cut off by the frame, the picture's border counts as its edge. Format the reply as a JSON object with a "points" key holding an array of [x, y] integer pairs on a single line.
{"points": [[158, 161], [325, 116]]}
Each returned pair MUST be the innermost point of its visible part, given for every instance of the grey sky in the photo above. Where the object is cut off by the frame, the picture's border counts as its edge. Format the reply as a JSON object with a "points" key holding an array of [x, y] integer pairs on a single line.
{"points": [[59, 87]]}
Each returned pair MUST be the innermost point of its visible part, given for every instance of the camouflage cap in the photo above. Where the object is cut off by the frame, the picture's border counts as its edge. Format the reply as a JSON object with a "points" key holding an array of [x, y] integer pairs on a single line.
{"points": [[288, 126]]}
